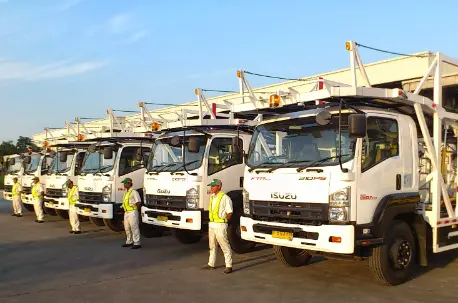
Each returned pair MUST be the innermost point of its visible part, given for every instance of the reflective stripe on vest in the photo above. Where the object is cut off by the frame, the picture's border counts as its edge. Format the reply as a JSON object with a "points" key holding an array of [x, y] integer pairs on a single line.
{"points": [[214, 213], [15, 188], [70, 195], [125, 201], [34, 190]]}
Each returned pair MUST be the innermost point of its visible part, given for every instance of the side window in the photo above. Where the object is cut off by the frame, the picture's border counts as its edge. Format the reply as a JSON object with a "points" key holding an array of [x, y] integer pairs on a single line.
{"points": [[46, 164], [380, 143], [128, 161], [221, 155]]}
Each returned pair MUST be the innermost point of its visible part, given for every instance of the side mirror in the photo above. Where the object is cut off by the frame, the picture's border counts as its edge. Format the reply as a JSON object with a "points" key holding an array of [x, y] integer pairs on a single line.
{"points": [[27, 159], [357, 125], [323, 117], [139, 155], [63, 157], [175, 141], [238, 152], [12, 161], [52, 153], [193, 145], [92, 148], [107, 153]]}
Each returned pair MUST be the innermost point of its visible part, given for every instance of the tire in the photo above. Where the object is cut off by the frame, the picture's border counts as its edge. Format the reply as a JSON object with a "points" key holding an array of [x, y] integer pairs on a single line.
{"points": [[187, 236], [115, 224], [238, 245], [292, 257], [49, 211], [83, 218], [62, 213], [96, 221], [29, 207], [385, 262], [151, 231]]}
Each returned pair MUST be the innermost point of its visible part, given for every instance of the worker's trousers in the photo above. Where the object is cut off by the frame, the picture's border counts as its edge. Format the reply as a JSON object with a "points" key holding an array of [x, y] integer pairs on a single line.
{"points": [[132, 228], [38, 206], [217, 234], [17, 207], [73, 216]]}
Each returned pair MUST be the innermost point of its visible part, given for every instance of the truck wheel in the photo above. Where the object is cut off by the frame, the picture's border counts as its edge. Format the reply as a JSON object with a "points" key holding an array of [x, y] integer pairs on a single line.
{"points": [[62, 213], [49, 211], [392, 263], [187, 236], [29, 207], [96, 221], [292, 257], [151, 231], [114, 224], [238, 245]]}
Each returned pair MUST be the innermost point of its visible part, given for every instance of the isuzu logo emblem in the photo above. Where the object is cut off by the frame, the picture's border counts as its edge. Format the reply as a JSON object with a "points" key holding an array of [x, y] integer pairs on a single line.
{"points": [[163, 191], [88, 188]]}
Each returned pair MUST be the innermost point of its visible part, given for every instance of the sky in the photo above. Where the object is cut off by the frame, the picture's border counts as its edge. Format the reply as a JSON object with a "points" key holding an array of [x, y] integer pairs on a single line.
{"points": [[61, 59]]}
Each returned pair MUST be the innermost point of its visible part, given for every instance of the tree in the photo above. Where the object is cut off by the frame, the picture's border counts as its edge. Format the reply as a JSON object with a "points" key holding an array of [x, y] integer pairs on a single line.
{"points": [[7, 148], [25, 142]]}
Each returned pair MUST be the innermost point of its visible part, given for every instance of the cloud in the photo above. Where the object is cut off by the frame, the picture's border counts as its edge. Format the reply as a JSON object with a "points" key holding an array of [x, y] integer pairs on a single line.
{"points": [[137, 36], [19, 70], [67, 4], [119, 23]]}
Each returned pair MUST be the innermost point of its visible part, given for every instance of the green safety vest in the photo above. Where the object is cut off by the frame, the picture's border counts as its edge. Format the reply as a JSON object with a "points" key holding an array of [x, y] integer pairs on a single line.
{"points": [[214, 213], [34, 191], [70, 195], [125, 201], [15, 188]]}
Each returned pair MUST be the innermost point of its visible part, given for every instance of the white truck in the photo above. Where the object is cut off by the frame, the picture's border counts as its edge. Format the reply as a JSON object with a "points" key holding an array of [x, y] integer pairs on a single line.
{"points": [[105, 165], [348, 179], [185, 158], [13, 168], [66, 164]]}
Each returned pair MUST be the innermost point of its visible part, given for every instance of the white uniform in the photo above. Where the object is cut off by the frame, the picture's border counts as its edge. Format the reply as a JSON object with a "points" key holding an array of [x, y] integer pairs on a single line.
{"points": [[72, 214], [217, 232], [38, 202], [131, 224], [17, 207]]}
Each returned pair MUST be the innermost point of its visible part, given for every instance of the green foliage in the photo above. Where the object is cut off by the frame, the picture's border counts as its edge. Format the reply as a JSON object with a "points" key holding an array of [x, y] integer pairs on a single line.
{"points": [[22, 143]]}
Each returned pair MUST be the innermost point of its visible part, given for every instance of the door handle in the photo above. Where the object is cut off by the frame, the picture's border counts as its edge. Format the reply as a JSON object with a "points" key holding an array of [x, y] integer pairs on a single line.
{"points": [[398, 181]]}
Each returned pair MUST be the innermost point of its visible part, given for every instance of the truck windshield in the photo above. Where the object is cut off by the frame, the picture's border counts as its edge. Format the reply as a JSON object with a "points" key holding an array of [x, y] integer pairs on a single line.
{"points": [[16, 168], [95, 162], [34, 163], [166, 157], [57, 166], [299, 142]]}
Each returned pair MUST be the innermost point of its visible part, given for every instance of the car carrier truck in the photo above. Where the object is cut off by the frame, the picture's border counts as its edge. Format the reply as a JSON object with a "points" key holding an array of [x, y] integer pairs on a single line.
{"points": [[348, 178], [14, 168]]}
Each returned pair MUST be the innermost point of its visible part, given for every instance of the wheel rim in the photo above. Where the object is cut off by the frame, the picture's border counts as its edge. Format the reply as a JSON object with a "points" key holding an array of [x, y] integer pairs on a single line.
{"points": [[401, 254]]}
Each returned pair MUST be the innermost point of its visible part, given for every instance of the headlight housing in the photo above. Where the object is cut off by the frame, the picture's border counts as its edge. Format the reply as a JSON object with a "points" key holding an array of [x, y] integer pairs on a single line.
{"points": [[246, 202], [64, 190], [106, 193], [339, 205], [192, 197]]}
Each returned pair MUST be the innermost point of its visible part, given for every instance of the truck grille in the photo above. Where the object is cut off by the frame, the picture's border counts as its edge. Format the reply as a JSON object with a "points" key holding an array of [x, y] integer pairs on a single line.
{"points": [[90, 198], [8, 188], [54, 193], [27, 190], [174, 203], [289, 212]]}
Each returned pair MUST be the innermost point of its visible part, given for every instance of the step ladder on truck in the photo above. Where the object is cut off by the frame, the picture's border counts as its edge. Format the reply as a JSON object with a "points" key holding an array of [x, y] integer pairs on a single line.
{"points": [[196, 147], [13, 167], [116, 155], [346, 177]]}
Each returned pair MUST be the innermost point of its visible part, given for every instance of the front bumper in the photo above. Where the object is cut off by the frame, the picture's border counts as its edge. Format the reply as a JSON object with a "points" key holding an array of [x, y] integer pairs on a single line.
{"points": [[7, 196], [187, 219], [314, 238], [103, 211], [57, 203], [27, 198]]}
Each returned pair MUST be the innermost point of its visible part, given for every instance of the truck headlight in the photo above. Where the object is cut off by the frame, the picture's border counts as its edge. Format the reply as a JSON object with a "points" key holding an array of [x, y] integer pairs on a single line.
{"points": [[192, 198], [64, 190], [246, 201], [106, 193], [339, 205]]}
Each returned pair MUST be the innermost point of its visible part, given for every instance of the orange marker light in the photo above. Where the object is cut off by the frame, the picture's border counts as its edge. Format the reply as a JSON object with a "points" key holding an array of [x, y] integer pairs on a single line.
{"points": [[243, 228], [347, 46], [189, 220], [274, 101], [335, 239], [239, 74]]}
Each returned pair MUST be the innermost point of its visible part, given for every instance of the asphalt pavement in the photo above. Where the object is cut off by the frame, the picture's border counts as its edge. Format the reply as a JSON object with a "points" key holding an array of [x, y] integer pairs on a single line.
{"points": [[44, 263]]}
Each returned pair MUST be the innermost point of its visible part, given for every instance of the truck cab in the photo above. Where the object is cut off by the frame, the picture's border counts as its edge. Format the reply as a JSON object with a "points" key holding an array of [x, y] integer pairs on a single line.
{"points": [[105, 164], [13, 166], [180, 167], [66, 165]]}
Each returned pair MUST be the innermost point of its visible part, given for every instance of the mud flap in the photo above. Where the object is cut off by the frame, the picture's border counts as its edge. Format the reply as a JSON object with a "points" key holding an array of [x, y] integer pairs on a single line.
{"points": [[420, 227]]}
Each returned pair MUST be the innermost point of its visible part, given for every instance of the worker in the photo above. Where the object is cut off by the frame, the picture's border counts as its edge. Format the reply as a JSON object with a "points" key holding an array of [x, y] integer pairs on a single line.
{"points": [[73, 198], [131, 202], [16, 191], [37, 195], [220, 212]]}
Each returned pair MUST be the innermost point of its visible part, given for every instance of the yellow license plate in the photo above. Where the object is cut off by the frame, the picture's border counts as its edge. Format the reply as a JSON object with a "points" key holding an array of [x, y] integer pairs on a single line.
{"points": [[52, 203], [23, 196], [282, 235], [88, 210], [162, 218]]}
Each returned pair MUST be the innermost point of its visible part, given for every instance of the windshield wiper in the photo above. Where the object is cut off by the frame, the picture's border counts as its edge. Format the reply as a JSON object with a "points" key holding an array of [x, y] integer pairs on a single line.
{"points": [[301, 168], [161, 166], [291, 163], [263, 164], [181, 165]]}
